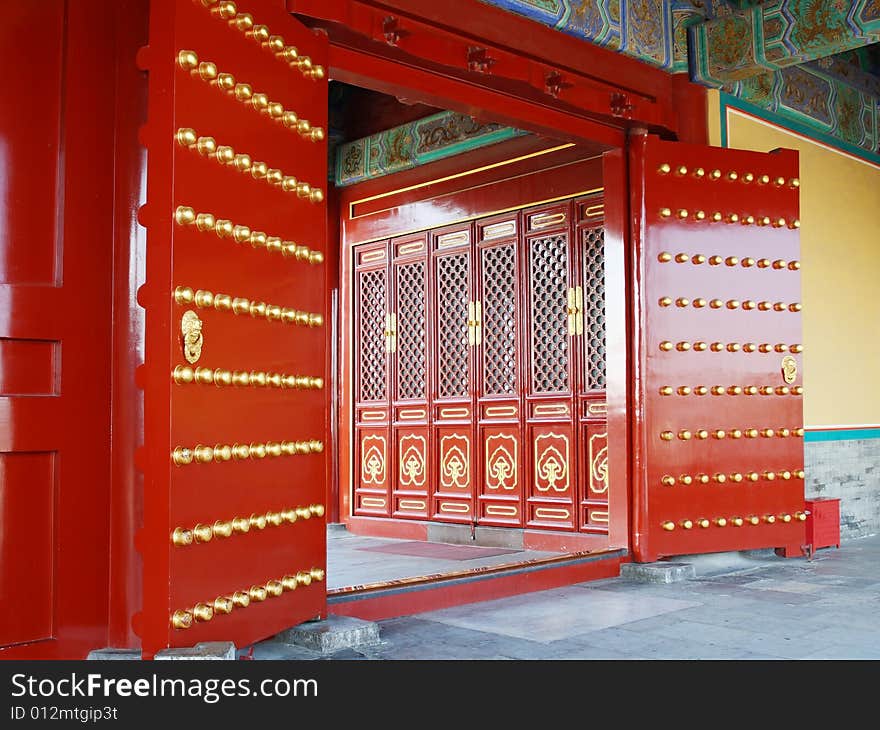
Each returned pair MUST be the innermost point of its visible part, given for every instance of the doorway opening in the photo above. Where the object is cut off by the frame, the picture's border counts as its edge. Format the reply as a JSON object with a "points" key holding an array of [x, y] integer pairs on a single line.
{"points": [[470, 423]]}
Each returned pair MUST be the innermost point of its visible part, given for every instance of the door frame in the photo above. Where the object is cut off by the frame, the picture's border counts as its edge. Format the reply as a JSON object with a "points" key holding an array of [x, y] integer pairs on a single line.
{"points": [[365, 50]]}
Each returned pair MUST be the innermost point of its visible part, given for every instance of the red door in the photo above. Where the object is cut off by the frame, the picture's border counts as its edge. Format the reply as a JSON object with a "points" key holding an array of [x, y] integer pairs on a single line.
{"points": [[551, 314], [236, 344], [498, 377], [374, 339], [55, 276], [452, 365], [592, 410], [409, 322], [720, 415]]}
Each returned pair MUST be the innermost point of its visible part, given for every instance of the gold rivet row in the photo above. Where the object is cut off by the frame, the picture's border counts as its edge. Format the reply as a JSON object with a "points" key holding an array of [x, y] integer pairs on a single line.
{"points": [[697, 259], [701, 434], [736, 521], [668, 480], [747, 347], [202, 533], [202, 298], [244, 23], [201, 612], [207, 71], [182, 455], [747, 306], [222, 228], [225, 155], [684, 214], [732, 390], [184, 374], [700, 173]]}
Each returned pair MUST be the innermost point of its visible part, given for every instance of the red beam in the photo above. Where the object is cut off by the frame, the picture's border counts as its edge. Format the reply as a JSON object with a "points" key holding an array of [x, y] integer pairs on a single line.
{"points": [[544, 76], [390, 77]]}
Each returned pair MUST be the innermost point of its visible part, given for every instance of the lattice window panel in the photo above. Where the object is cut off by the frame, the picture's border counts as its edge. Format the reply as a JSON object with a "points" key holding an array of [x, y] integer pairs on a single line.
{"points": [[594, 306], [452, 329], [371, 345], [412, 365], [498, 266], [548, 273]]}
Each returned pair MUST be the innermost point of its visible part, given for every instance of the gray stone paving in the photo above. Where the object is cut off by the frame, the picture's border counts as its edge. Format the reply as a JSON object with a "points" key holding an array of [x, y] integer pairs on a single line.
{"points": [[737, 607]]}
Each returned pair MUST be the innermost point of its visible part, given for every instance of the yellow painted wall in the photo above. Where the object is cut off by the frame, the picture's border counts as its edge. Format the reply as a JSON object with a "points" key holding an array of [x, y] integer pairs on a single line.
{"points": [[840, 255]]}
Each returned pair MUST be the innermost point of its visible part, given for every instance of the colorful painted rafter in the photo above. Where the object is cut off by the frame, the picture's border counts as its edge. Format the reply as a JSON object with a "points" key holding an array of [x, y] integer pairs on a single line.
{"points": [[779, 34], [413, 144]]}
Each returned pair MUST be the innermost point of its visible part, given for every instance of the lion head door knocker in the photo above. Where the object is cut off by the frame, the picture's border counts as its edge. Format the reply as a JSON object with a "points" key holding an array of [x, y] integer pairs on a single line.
{"points": [[191, 332], [789, 369]]}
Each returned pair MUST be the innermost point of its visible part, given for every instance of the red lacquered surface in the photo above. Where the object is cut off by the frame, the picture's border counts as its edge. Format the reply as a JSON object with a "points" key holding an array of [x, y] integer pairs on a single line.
{"points": [[129, 253], [178, 578], [752, 298], [55, 260]]}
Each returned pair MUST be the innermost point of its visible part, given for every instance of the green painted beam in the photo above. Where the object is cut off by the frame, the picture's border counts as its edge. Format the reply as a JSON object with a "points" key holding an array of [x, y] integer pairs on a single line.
{"points": [[778, 34]]}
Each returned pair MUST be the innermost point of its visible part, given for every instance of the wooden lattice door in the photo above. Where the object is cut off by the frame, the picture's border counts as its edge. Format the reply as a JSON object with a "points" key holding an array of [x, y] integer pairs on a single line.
{"points": [[589, 299], [552, 322], [409, 383], [456, 334], [498, 374], [374, 340]]}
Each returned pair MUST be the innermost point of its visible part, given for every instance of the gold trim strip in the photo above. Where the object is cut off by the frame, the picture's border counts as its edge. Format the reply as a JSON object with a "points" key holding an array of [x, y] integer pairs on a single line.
{"points": [[453, 507], [551, 513], [184, 374], [598, 409], [411, 504], [558, 409], [545, 220], [372, 502], [457, 175], [500, 411], [453, 239], [454, 412], [202, 298], [501, 510], [600, 516], [224, 155], [498, 230], [411, 248], [594, 211], [377, 255], [184, 216], [201, 612], [412, 414], [483, 214], [199, 454], [244, 93], [374, 416]]}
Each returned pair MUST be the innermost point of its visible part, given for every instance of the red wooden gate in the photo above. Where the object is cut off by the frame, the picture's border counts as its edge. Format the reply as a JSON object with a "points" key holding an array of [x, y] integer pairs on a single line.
{"points": [[235, 406], [720, 414]]}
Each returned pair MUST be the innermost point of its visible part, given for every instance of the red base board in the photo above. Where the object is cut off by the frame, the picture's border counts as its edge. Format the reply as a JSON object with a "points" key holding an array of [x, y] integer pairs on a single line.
{"points": [[545, 540], [437, 593]]}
